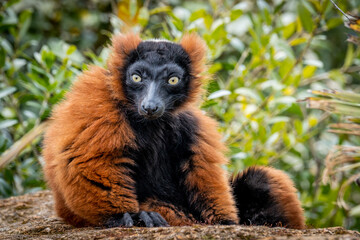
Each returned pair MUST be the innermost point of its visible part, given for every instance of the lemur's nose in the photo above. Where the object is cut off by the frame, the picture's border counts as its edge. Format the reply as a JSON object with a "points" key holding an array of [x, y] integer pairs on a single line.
{"points": [[153, 105], [150, 108]]}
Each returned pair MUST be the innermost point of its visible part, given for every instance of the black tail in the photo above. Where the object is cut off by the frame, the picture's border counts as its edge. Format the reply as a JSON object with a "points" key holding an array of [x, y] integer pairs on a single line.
{"points": [[266, 196]]}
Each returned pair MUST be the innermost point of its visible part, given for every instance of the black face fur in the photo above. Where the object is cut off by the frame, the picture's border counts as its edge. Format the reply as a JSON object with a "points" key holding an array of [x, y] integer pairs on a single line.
{"points": [[156, 62]]}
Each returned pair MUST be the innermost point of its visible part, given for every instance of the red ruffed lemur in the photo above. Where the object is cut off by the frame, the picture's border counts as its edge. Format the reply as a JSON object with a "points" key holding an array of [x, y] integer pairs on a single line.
{"points": [[129, 147]]}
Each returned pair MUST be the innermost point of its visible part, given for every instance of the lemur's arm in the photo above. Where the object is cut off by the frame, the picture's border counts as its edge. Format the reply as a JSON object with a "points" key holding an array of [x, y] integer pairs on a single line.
{"points": [[98, 190], [206, 181]]}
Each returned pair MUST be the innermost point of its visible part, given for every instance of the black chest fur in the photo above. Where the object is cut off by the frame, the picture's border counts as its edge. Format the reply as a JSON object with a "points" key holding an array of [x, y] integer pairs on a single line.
{"points": [[164, 146]]}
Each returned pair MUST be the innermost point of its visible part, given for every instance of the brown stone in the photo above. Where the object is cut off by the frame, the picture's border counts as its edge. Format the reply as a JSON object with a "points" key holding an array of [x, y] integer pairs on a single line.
{"points": [[31, 216]]}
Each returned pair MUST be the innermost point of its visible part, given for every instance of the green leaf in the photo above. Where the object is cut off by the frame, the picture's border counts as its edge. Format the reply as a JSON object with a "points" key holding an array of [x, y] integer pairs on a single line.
{"points": [[9, 21], [278, 119], [298, 126], [274, 138], [144, 16], [218, 94], [133, 7], [25, 20], [215, 68], [19, 63], [293, 111], [334, 22], [11, 2], [7, 91], [349, 56], [247, 92], [37, 70], [213, 86], [235, 14], [208, 104], [160, 9], [305, 17], [289, 30], [177, 22], [43, 82], [33, 89], [218, 33], [197, 14], [47, 57], [7, 123], [208, 20], [308, 71], [298, 41], [7, 46], [71, 50], [2, 57], [286, 64], [354, 120], [355, 211]]}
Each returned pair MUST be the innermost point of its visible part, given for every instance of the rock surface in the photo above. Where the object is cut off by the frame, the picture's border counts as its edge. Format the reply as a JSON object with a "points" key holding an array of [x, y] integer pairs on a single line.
{"points": [[31, 216]]}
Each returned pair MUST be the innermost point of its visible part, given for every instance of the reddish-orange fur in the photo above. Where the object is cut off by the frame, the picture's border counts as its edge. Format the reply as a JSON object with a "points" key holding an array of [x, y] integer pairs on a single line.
{"points": [[196, 49], [88, 129], [209, 178], [122, 45]]}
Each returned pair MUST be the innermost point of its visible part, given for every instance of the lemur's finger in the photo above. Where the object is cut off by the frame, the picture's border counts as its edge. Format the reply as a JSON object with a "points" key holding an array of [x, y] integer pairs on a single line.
{"points": [[143, 219], [123, 220], [158, 220], [126, 220]]}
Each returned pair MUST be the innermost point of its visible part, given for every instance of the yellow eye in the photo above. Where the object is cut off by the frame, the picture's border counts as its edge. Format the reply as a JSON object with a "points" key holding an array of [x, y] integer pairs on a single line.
{"points": [[173, 80], [136, 78]]}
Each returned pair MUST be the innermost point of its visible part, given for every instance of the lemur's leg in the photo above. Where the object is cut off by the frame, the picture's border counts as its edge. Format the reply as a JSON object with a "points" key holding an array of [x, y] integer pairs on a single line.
{"points": [[207, 187], [97, 191], [65, 213], [266, 196], [205, 181]]}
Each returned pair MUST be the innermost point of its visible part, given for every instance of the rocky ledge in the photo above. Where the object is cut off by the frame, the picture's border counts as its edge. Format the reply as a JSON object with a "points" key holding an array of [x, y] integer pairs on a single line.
{"points": [[31, 216]]}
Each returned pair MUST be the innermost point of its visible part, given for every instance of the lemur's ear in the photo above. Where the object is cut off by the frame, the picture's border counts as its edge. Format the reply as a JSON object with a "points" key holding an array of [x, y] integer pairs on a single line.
{"points": [[122, 45], [196, 48]]}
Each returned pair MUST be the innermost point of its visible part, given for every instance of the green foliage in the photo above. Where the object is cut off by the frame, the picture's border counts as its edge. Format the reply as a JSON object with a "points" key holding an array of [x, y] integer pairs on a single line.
{"points": [[264, 56], [32, 81]]}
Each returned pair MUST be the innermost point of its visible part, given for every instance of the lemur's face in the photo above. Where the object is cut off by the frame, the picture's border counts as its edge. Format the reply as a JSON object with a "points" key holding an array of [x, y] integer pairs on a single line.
{"points": [[157, 78]]}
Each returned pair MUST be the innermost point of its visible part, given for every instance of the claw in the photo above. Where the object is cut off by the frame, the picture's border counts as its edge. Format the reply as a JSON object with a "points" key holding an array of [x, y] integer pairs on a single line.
{"points": [[126, 220], [149, 219], [159, 221], [123, 220], [143, 219]]}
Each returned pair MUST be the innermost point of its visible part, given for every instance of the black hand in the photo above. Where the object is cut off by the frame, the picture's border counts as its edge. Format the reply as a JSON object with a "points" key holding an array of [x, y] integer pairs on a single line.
{"points": [[122, 220], [140, 219]]}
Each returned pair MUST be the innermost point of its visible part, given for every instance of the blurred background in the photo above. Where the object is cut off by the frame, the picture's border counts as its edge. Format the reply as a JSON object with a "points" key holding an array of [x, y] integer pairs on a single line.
{"points": [[265, 57]]}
